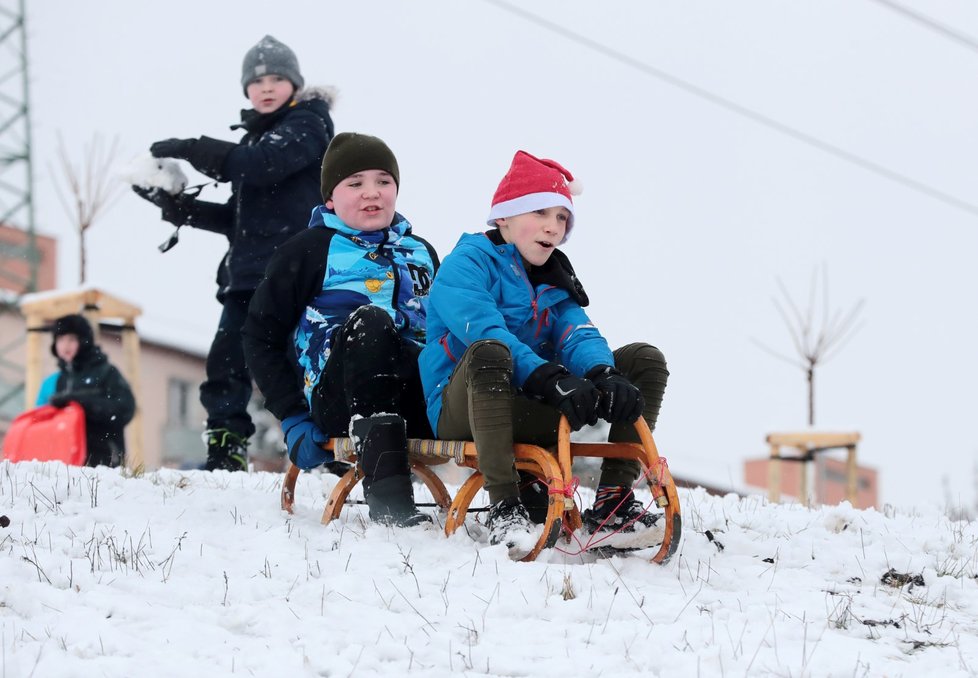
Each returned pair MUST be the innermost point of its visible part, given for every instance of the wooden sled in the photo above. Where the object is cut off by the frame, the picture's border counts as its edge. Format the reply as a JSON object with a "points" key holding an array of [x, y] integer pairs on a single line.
{"points": [[554, 470]]}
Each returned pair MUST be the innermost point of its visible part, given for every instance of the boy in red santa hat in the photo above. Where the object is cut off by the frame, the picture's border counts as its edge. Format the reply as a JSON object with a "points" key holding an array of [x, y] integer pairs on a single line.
{"points": [[510, 349]]}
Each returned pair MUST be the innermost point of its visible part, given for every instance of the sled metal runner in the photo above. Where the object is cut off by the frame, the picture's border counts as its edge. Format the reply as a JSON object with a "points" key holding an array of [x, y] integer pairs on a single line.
{"points": [[563, 515]]}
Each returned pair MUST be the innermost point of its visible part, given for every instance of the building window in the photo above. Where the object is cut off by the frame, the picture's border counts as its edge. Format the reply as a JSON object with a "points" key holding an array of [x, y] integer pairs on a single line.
{"points": [[178, 402]]}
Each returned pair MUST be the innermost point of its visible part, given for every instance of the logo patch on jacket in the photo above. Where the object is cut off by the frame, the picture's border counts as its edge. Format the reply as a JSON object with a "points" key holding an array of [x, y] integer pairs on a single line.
{"points": [[373, 284], [421, 280]]}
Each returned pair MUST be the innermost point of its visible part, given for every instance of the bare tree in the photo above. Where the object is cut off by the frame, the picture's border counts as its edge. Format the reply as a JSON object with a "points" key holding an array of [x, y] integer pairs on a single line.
{"points": [[90, 189], [816, 341]]}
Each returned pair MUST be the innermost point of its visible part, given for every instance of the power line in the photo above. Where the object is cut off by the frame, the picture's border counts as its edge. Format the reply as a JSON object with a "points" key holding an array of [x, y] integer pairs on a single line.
{"points": [[936, 26], [743, 111]]}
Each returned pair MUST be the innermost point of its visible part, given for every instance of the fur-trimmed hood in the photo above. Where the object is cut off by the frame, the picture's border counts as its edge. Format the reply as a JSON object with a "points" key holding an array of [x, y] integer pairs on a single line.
{"points": [[327, 93]]}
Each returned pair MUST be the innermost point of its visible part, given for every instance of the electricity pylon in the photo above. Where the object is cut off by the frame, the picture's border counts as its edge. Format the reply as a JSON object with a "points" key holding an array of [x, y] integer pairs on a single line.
{"points": [[16, 168]]}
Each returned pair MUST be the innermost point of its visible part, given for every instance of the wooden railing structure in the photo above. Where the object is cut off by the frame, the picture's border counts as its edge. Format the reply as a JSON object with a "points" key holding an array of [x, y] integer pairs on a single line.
{"points": [[807, 444]]}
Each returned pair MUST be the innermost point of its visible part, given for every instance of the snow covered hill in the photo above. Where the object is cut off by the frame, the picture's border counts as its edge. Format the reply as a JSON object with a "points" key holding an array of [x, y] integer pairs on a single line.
{"points": [[195, 573]]}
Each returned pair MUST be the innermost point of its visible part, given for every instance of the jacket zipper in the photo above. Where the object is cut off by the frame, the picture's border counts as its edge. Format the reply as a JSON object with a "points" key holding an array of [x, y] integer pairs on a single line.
{"points": [[545, 316], [526, 279], [381, 252]]}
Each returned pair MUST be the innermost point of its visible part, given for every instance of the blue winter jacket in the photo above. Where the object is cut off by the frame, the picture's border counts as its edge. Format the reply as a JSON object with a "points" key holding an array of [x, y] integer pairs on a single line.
{"points": [[483, 291], [312, 285]]}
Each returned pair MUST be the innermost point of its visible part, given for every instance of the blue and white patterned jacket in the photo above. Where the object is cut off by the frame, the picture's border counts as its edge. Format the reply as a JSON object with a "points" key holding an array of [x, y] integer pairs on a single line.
{"points": [[312, 285]]}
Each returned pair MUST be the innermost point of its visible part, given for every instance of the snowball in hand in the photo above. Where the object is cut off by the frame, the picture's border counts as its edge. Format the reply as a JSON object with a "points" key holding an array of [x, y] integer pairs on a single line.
{"points": [[149, 172]]}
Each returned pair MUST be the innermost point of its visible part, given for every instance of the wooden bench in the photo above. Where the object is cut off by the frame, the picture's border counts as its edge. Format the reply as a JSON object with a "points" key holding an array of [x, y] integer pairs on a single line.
{"points": [[553, 469]]}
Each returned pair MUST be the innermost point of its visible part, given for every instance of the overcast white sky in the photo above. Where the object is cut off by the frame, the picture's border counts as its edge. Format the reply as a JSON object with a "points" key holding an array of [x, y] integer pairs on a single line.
{"points": [[690, 212]]}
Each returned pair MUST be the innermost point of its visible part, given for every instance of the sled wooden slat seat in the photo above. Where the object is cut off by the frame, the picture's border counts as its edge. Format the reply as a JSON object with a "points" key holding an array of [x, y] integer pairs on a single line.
{"points": [[553, 469]]}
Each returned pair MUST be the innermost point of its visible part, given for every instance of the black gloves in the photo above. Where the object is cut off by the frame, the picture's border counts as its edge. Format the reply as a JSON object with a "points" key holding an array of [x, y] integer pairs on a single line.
{"points": [[172, 148], [207, 155], [60, 400], [604, 394], [176, 209], [621, 402], [576, 398]]}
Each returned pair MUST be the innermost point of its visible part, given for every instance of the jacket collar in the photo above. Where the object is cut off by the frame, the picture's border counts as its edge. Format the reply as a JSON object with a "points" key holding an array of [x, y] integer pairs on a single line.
{"points": [[253, 121], [557, 272], [316, 99], [323, 217]]}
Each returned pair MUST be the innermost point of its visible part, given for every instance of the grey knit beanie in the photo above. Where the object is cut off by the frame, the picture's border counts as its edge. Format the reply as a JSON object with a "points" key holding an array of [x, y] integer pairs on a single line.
{"points": [[270, 57], [349, 153]]}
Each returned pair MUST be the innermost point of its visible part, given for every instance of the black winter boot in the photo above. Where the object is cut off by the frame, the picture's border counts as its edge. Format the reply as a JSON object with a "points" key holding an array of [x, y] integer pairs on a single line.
{"points": [[509, 523], [619, 520], [535, 497], [381, 445], [226, 450]]}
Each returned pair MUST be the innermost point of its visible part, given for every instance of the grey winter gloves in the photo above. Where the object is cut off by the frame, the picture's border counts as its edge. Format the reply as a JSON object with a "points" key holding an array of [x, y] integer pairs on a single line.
{"points": [[604, 394], [349, 153]]}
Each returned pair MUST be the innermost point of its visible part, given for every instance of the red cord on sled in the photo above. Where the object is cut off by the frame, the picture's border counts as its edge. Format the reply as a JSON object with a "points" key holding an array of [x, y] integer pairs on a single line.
{"points": [[592, 541], [569, 490], [662, 467]]}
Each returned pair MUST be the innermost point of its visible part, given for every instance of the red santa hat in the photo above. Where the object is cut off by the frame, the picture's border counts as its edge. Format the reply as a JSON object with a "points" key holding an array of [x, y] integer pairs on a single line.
{"points": [[533, 184]]}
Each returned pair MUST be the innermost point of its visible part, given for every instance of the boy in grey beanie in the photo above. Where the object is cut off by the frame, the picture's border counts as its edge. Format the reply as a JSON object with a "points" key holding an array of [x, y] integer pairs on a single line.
{"points": [[274, 175]]}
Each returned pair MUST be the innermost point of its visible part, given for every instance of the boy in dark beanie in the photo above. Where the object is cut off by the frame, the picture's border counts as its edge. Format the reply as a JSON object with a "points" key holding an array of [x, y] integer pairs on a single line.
{"points": [[274, 176], [86, 377], [510, 349], [346, 300]]}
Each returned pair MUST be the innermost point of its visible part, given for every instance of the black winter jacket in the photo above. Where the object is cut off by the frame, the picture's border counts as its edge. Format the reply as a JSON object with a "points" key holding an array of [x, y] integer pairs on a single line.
{"points": [[95, 384], [275, 182]]}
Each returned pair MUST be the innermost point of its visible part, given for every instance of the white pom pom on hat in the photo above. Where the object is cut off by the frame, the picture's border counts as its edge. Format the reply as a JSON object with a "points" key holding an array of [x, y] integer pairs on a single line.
{"points": [[531, 184]]}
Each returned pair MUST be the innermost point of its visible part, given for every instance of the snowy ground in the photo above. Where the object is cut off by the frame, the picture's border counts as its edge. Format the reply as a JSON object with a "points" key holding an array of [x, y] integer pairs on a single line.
{"points": [[182, 573]]}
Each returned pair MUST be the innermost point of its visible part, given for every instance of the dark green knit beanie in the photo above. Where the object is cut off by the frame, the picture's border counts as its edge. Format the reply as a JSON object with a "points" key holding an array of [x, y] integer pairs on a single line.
{"points": [[349, 153]]}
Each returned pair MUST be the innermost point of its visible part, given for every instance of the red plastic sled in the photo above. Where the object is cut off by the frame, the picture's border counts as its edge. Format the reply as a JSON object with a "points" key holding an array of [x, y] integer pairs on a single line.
{"points": [[48, 433]]}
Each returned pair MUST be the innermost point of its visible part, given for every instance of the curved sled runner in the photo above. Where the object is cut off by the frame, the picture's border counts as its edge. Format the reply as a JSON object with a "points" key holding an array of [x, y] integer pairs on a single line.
{"points": [[554, 470]]}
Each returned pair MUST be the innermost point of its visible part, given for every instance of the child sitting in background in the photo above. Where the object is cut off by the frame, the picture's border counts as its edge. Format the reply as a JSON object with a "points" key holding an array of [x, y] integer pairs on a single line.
{"points": [[510, 349]]}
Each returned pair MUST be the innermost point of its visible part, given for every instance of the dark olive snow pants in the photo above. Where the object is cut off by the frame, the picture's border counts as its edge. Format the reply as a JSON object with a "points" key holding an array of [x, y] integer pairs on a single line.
{"points": [[479, 404]]}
